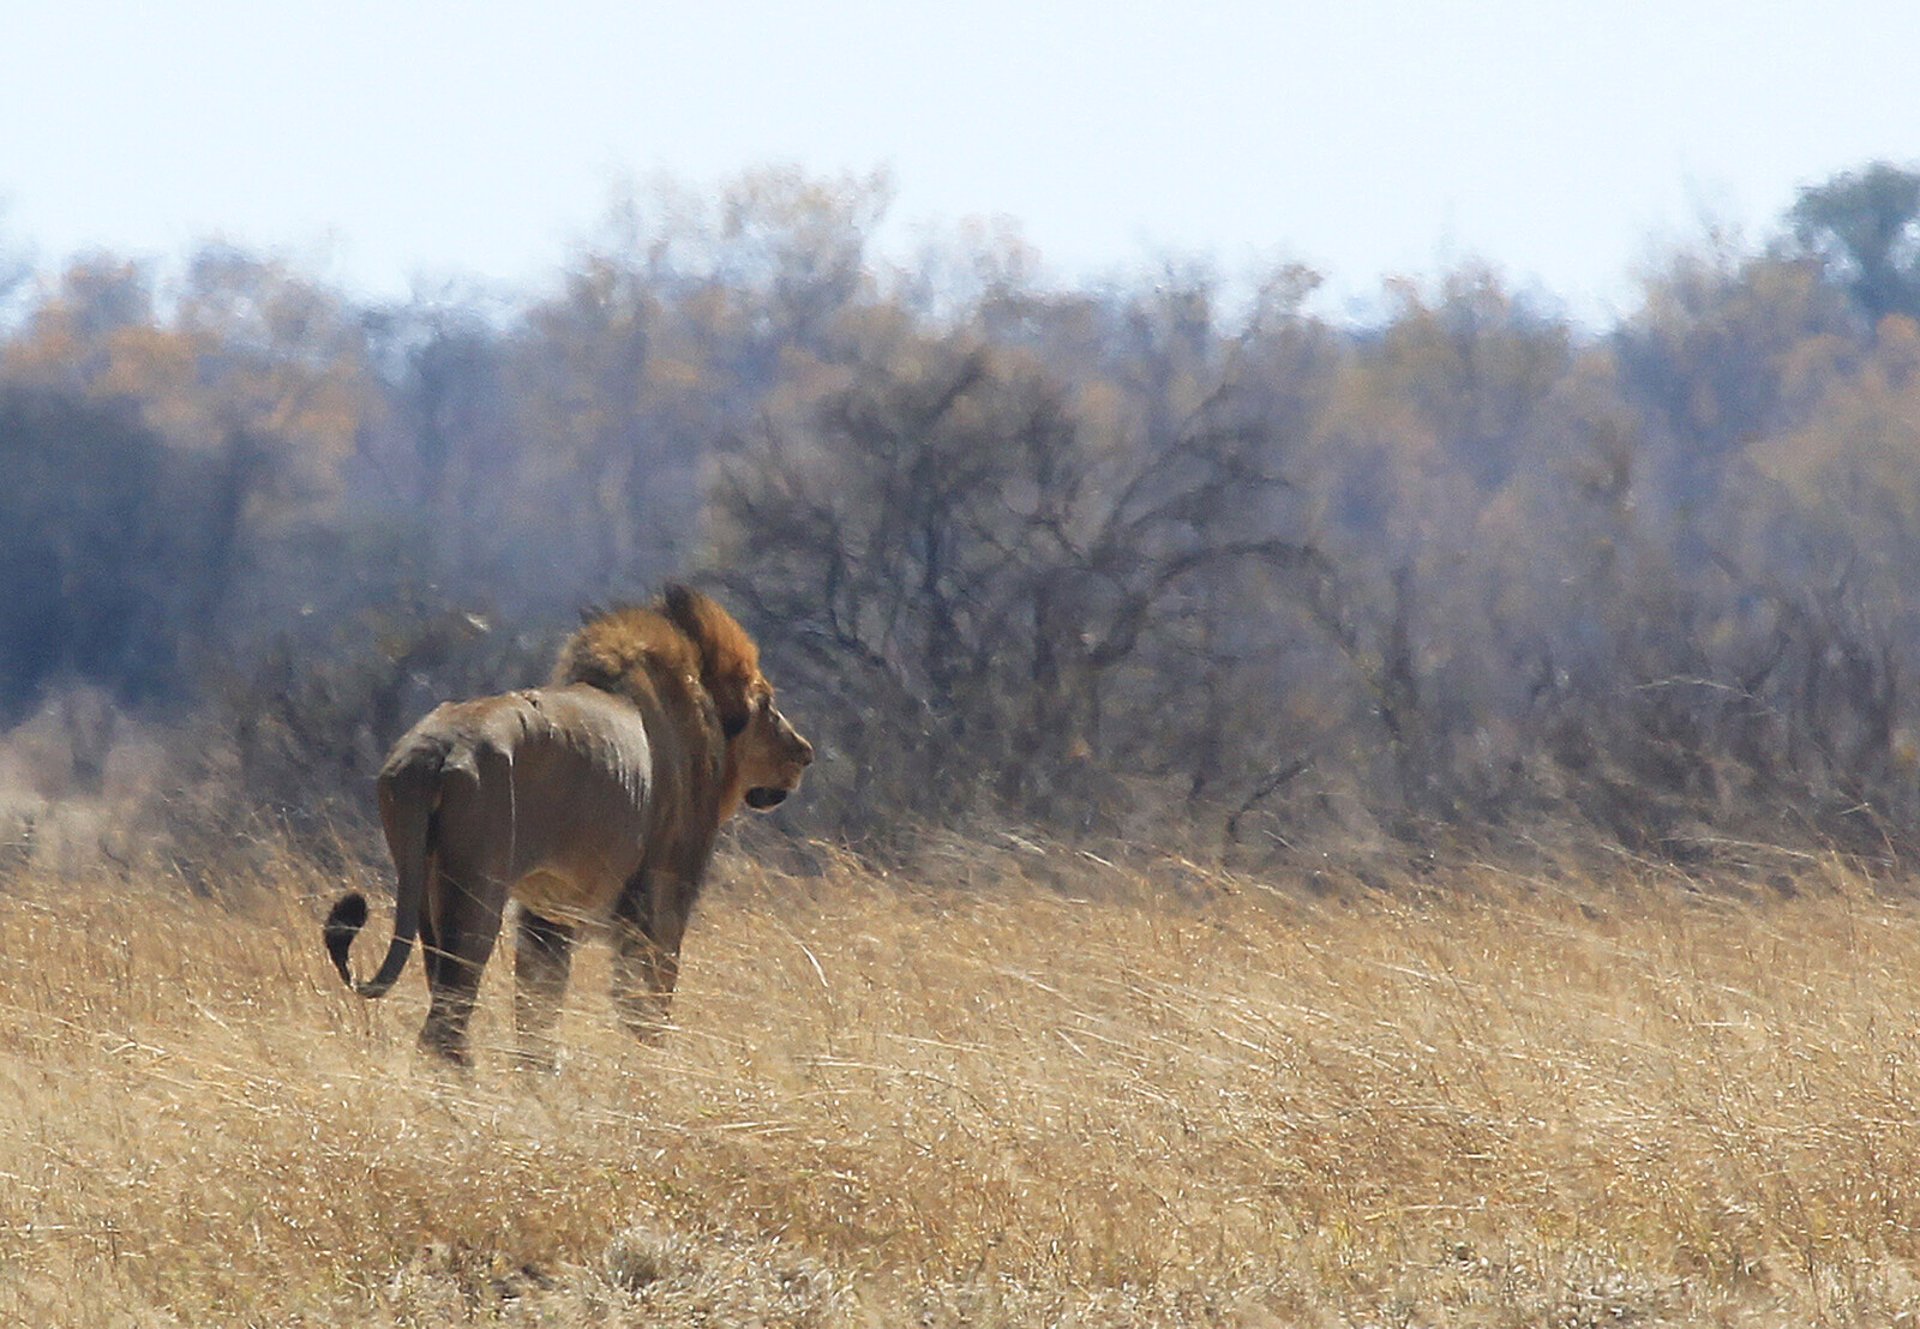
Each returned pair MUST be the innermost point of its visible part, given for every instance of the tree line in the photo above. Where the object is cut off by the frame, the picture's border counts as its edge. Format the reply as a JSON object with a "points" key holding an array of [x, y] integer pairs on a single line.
{"points": [[1164, 557]]}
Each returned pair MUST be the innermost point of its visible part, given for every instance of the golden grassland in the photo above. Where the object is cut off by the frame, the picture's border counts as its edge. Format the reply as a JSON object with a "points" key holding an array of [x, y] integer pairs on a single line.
{"points": [[1019, 1086]]}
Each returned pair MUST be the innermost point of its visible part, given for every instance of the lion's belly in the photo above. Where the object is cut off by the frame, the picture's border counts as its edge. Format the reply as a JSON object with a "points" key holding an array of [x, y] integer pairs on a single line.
{"points": [[578, 810], [566, 898], [576, 859]]}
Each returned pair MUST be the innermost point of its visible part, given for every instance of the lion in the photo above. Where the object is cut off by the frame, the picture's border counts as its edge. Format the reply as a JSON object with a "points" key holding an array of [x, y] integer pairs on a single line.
{"points": [[596, 799]]}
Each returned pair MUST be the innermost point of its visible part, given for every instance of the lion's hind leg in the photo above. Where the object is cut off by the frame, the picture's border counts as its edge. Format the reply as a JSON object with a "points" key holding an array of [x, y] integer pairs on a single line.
{"points": [[466, 899], [460, 948], [542, 960]]}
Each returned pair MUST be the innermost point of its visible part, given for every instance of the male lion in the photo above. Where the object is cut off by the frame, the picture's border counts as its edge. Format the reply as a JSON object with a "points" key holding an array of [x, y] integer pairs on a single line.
{"points": [[595, 798]]}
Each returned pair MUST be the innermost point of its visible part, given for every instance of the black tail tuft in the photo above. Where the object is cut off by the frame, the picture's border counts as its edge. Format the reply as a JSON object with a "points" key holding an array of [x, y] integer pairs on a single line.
{"points": [[344, 922]]}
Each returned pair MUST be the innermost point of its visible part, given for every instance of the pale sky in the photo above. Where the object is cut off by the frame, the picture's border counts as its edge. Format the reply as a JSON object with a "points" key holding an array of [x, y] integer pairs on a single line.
{"points": [[384, 144]]}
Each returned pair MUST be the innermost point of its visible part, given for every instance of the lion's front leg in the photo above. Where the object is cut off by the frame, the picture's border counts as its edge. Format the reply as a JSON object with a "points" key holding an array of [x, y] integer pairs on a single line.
{"points": [[643, 979], [648, 926]]}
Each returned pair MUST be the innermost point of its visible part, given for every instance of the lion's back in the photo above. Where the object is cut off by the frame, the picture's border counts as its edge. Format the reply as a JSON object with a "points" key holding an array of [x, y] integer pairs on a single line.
{"points": [[454, 734]]}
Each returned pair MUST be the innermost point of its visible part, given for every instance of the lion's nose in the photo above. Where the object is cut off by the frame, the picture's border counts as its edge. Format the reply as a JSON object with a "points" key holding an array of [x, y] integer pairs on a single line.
{"points": [[804, 752]]}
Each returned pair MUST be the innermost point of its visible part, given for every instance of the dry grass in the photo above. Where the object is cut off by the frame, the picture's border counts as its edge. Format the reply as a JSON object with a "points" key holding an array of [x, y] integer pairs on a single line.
{"points": [[1101, 1098]]}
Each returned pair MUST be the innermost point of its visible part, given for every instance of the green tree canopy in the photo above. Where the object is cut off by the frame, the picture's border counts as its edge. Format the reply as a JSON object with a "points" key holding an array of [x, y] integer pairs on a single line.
{"points": [[1865, 225]]}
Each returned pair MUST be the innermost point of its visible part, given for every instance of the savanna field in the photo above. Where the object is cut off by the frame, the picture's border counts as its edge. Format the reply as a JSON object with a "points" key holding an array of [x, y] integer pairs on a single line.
{"points": [[1018, 1085], [1171, 562]]}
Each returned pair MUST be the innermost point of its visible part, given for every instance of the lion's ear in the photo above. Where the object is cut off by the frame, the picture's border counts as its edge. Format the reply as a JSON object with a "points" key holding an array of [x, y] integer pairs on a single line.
{"points": [[729, 661], [686, 608]]}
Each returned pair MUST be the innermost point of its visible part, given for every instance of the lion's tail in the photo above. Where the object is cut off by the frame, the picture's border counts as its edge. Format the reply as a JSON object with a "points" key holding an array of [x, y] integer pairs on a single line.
{"points": [[409, 806]]}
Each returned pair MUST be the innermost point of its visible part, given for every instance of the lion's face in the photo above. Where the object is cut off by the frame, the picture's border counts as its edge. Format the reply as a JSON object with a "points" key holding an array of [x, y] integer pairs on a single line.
{"points": [[768, 755]]}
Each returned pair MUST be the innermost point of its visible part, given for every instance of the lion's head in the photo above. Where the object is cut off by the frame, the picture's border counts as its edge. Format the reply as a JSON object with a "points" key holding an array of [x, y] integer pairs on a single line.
{"points": [[687, 635], [766, 758], [765, 754]]}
